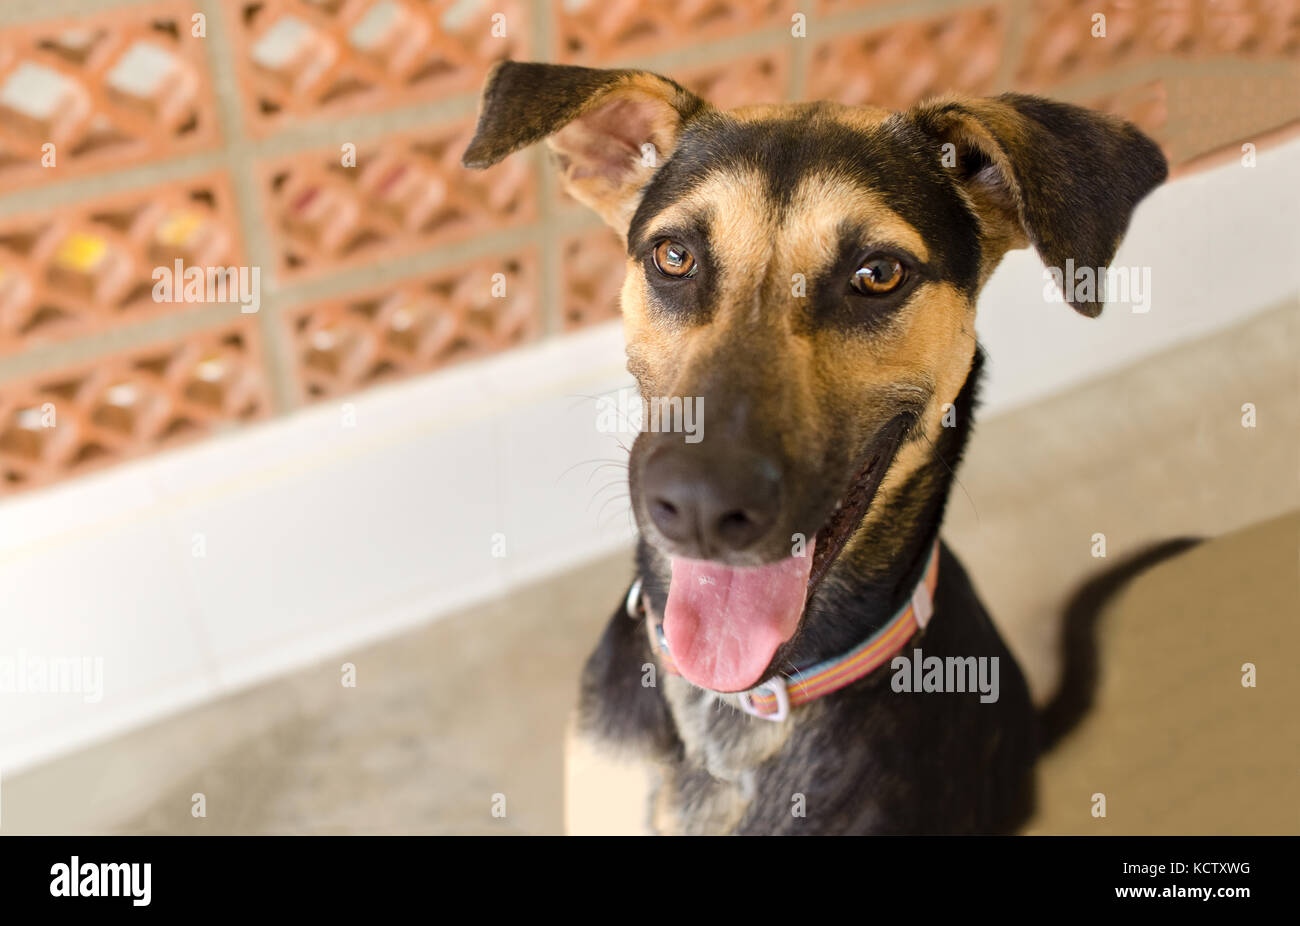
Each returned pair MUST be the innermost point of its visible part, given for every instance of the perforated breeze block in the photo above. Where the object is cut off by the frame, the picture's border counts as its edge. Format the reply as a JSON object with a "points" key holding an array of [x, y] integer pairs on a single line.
{"points": [[65, 422], [604, 32], [90, 267], [898, 65], [314, 59], [415, 325], [404, 193], [593, 261], [102, 91]]}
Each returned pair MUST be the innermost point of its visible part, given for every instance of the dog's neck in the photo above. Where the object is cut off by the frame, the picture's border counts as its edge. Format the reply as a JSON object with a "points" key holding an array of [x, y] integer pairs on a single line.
{"points": [[881, 566]]}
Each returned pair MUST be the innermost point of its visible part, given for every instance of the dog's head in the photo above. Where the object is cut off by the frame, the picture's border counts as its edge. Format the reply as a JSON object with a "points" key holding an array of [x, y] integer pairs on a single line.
{"points": [[806, 275]]}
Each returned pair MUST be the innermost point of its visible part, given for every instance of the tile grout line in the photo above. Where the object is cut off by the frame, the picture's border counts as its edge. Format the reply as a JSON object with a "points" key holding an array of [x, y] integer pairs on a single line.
{"points": [[1016, 18], [800, 63], [276, 357]]}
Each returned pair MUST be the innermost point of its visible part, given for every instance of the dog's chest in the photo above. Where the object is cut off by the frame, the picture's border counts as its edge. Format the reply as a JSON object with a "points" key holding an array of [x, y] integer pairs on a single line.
{"points": [[714, 786]]}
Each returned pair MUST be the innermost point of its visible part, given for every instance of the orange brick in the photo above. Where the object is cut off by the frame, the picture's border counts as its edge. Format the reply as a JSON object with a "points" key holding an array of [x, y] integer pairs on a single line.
{"points": [[593, 265], [89, 267], [311, 59], [900, 64], [107, 90], [64, 423], [606, 31], [1240, 28], [407, 192], [1060, 46], [762, 78], [414, 326], [828, 7]]}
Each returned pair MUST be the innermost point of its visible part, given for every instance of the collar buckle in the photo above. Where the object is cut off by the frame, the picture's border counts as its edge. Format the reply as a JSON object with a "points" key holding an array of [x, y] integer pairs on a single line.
{"points": [[775, 685], [633, 604]]}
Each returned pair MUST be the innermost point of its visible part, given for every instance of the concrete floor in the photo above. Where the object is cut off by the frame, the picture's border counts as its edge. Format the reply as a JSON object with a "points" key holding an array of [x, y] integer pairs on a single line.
{"points": [[446, 717]]}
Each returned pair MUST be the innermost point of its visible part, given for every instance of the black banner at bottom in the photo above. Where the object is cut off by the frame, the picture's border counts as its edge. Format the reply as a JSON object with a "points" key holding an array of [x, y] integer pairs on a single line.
{"points": [[141, 875]]}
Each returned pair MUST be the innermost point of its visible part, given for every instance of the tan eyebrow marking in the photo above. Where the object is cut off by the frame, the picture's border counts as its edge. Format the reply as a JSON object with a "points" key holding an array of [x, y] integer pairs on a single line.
{"points": [[811, 223]]}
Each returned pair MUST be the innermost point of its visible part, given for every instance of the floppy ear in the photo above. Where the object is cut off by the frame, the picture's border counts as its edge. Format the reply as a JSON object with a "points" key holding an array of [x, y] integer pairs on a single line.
{"points": [[610, 129], [1060, 177]]}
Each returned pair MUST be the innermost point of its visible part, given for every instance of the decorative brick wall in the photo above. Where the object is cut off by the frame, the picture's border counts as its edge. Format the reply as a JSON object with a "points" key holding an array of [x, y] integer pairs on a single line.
{"points": [[318, 141]]}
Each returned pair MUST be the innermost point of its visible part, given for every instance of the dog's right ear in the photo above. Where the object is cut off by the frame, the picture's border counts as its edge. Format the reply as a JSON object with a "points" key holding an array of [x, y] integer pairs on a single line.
{"points": [[610, 129], [1060, 177]]}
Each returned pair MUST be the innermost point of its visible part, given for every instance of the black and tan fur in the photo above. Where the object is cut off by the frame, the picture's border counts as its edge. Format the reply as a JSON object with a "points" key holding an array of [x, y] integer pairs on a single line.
{"points": [[762, 196]]}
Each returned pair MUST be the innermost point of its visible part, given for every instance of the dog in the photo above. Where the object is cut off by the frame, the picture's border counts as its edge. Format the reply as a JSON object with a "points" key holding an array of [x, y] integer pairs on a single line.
{"points": [[799, 650]]}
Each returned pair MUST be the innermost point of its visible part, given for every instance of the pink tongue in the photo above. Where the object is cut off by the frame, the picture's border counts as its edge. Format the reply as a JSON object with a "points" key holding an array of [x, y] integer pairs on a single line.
{"points": [[723, 625]]}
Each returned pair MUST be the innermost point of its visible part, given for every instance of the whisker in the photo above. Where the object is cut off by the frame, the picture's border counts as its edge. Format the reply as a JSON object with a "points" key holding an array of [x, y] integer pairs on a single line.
{"points": [[956, 481], [606, 503], [605, 465], [594, 460], [624, 420], [617, 483]]}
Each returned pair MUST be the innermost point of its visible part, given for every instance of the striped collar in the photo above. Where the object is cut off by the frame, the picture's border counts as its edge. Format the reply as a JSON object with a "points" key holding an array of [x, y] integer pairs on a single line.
{"points": [[772, 699]]}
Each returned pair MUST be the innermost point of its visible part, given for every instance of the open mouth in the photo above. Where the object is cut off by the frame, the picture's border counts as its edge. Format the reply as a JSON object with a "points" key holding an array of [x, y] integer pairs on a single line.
{"points": [[852, 507], [725, 625]]}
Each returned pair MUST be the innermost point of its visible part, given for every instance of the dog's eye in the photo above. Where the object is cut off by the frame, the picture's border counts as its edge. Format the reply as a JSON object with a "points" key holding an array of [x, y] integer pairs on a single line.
{"points": [[673, 260], [878, 275]]}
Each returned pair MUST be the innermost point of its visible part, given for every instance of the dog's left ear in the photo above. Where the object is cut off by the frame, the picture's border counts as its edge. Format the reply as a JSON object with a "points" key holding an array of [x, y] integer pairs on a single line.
{"points": [[1063, 178], [610, 129]]}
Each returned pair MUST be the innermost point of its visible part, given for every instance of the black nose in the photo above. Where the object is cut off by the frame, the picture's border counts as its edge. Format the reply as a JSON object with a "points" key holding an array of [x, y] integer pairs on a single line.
{"points": [[710, 503]]}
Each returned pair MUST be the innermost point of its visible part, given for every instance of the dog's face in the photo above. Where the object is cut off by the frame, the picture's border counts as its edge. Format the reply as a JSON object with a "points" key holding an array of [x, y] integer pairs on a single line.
{"points": [[805, 276]]}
